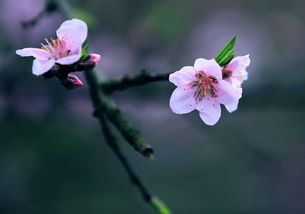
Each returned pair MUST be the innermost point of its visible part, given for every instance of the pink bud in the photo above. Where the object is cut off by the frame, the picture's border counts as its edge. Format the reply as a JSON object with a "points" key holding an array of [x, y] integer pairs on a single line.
{"points": [[95, 58], [72, 82]]}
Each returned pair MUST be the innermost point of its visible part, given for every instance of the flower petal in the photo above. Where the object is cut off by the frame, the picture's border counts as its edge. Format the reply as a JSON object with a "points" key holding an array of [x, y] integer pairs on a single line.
{"points": [[72, 58], [210, 111], [35, 52], [183, 77], [236, 82], [238, 67], [182, 101], [232, 106], [40, 67], [210, 67], [73, 31], [227, 93]]}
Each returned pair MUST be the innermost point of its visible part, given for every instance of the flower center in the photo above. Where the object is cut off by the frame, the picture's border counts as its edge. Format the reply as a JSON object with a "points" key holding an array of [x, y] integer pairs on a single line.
{"points": [[56, 47], [204, 86]]}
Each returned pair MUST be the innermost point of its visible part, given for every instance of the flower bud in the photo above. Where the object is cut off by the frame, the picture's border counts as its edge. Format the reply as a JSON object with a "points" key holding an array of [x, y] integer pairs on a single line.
{"points": [[72, 82], [95, 58], [89, 62]]}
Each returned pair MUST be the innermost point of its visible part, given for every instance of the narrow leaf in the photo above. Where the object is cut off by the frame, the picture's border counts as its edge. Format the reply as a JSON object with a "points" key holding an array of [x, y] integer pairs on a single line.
{"points": [[227, 53]]}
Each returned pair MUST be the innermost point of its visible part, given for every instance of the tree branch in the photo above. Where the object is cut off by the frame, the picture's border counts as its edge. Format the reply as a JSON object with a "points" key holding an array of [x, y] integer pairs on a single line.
{"points": [[105, 108], [128, 82], [104, 104], [158, 205]]}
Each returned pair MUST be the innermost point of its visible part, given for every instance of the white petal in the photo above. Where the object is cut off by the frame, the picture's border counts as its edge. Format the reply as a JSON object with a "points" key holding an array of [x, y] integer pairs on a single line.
{"points": [[232, 106], [210, 111], [73, 31], [41, 67], [182, 101], [68, 60], [210, 67], [35, 52], [227, 93], [183, 77]]}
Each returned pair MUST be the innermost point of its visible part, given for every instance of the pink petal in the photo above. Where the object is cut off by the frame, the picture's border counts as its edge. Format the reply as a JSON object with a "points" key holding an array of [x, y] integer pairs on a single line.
{"points": [[182, 101], [183, 77], [72, 58], [210, 67], [227, 93], [73, 31], [210, 111], [238, 66], [232, 106], [236, 82], [38, 53], [40, 67]]}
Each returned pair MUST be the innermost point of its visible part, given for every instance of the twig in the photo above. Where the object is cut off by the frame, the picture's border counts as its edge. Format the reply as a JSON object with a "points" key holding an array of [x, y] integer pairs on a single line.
{"points": [[104, 104], [158, 205], [105, 108], [128, 82], [112, 143]]}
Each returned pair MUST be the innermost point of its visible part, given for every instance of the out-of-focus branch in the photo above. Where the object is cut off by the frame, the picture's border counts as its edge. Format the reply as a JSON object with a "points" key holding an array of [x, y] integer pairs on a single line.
{"points": [[51, 6], [128, 81]]}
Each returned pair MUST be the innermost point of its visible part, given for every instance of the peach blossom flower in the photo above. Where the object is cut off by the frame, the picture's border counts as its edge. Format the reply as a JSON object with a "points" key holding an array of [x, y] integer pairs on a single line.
{"points": [[66, 49], [202, 88]]}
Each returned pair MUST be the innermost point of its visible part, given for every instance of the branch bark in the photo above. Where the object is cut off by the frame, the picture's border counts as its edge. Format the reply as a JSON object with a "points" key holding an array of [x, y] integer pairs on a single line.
{"points": [[128, 82]]}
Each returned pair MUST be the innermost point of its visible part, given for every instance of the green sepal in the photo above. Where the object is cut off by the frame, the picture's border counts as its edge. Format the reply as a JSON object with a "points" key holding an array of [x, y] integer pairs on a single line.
{"points": [[85, 51], [227, 53]]}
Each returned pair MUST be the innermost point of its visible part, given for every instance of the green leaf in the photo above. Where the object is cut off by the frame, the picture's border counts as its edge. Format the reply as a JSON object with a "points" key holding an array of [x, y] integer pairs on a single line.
{"points": [[159, 206], [227, 53]]}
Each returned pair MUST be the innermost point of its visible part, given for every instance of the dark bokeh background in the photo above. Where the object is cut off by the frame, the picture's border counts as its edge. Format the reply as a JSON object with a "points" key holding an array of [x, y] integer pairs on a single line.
{"points": [[53, 158]]}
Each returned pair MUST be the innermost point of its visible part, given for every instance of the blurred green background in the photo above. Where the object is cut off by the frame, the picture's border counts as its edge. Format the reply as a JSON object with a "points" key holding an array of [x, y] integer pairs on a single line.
{"points": [[53, 158]]}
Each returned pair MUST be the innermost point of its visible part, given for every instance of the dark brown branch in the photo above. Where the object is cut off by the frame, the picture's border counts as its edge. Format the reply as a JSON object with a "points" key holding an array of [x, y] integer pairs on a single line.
{"points": [[137, 80]]}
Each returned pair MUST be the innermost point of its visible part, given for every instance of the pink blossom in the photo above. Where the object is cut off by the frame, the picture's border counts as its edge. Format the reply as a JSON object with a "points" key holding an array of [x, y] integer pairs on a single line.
{"points": [[235, 72], [66, 49], [202, 88]]}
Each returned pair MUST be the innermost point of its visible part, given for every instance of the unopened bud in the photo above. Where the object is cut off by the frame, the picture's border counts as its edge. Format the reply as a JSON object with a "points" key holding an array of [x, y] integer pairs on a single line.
{"points": [[72, 82], [95, 58], [89, 62]]}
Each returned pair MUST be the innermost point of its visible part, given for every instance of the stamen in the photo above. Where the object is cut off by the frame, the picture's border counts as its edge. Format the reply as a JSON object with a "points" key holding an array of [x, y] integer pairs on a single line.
{"points": [[57, 48], [204, 86], [49, 44]]}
